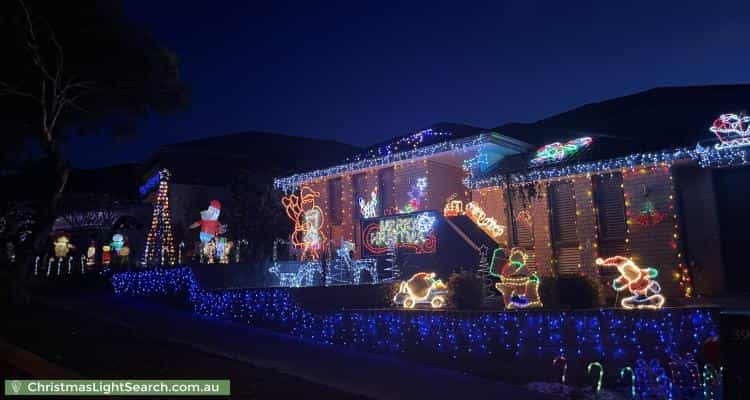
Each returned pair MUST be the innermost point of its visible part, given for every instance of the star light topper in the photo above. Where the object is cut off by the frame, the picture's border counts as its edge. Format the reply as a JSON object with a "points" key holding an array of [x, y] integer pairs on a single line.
{"points": [[733, 130]]}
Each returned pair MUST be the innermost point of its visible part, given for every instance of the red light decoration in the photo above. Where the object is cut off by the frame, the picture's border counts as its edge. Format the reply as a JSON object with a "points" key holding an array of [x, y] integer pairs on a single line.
{"points": [[413, 232], [308, 221]]}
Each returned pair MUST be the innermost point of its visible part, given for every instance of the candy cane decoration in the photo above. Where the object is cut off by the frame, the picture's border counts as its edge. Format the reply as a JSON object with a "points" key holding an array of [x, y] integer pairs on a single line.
{"points": [[83, 264], [36, 266], [49, 265], [564, 361], [709, 374], [601, 374], [70, 264], [625, 370], [59, 265]]}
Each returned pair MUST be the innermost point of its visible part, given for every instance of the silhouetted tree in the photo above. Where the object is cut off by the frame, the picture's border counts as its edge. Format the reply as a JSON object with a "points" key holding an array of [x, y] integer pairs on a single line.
{"points": [[76, 66]]}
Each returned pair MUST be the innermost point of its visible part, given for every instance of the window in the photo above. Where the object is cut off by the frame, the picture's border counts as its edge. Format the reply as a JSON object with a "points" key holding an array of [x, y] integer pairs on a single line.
{"points": [[610, 199], [385, 190], [523, 233], [358, 185], [334, 200], [564, 233]]}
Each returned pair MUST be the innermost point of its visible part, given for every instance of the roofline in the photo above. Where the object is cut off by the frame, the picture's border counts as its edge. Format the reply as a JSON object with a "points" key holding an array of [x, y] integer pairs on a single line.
{"points": [[707, 157], [290, 182]]}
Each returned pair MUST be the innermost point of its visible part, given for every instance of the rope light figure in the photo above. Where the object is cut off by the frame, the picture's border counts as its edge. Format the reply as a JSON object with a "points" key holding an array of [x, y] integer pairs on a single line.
{"points": [[520, 289], [421, 288], [308, 221], [638, 281], [369, 208], [733, 130], [486, 223]]}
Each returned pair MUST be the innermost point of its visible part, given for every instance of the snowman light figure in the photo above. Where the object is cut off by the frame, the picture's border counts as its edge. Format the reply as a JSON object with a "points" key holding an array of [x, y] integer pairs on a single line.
{"points": [[638, 281]]}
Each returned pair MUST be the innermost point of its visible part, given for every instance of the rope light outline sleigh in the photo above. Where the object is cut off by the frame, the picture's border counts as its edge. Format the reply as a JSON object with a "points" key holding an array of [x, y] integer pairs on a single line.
{"points": [[732, 130]]}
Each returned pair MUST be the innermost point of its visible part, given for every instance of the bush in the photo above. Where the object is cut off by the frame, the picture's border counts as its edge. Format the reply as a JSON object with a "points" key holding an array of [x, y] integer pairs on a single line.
{"points": [[577, 292], [465, 290], [569, 292]]}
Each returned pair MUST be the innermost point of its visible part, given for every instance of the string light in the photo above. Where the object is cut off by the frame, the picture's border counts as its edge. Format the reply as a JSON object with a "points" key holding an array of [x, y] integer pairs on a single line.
{"points": [[305, 273], [342, 270], [159, 239], [496, 336], [638, 281], [290, 183], [421, 288]]}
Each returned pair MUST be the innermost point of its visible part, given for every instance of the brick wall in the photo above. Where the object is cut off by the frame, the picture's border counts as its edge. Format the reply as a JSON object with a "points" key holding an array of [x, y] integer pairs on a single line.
{"points": [[652, 246], [586, 224], [404, 175], [447, 180], [492, 201], [700, 219]]}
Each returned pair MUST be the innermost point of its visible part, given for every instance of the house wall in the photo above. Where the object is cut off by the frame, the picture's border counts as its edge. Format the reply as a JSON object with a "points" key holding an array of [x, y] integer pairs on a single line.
{"points": [[700, 218], [404, 176], [447, 181], [345, 224], [492, 201], [542, 236], [657, 246]]}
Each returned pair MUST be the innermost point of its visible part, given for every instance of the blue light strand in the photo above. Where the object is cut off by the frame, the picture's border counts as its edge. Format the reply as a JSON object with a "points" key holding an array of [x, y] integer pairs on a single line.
{"points": [[618, 336]]}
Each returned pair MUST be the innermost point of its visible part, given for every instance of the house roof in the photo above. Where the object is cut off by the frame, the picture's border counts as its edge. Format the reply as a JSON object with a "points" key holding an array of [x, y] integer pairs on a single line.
{"points": [[214, 161], [425, 143]]}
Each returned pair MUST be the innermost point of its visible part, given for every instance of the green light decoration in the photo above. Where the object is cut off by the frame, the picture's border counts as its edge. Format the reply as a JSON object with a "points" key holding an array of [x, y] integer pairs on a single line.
{"points": [[492, 270], [601, 374], [556, 152], [649, 215], [629, 370]]}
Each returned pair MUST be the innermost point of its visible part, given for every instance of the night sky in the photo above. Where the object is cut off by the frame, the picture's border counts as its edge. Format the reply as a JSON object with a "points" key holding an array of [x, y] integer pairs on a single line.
{"points": [[362, 74]]}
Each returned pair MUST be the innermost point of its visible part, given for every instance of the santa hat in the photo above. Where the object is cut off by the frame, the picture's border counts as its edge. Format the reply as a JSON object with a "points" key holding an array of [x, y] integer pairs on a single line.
{"points": [[614, 261], [215, 204]]}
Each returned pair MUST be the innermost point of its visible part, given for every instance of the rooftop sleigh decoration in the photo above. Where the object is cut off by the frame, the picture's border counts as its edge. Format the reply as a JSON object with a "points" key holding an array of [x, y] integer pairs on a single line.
{"points": [[733, 130]]}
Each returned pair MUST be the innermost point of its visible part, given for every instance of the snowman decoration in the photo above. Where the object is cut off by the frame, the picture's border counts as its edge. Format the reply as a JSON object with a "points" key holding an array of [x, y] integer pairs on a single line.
{"points": [[211, 228]]}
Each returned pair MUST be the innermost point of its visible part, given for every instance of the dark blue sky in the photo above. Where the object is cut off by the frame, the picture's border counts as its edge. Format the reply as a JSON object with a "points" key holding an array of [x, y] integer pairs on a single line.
{"points": [[361, 74]]}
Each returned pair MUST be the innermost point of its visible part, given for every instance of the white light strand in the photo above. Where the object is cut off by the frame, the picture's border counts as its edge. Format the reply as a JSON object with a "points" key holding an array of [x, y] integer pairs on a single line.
{"points": [[290, 183]]}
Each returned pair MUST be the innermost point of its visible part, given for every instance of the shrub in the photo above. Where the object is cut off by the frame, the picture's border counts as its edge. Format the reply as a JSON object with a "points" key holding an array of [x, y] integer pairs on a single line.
{"points": [[465, 290], [570, 291], [577, 292]]}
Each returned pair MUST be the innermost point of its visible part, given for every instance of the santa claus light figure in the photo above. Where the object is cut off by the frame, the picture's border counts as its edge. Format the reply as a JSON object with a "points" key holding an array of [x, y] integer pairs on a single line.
{"points": [[638, 281], [210, 226]]}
